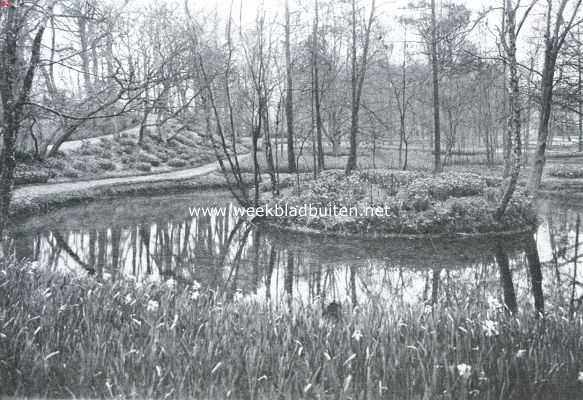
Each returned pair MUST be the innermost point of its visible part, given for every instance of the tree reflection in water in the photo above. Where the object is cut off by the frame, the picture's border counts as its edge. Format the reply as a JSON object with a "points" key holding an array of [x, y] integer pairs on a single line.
{"points": [[233, 256]]}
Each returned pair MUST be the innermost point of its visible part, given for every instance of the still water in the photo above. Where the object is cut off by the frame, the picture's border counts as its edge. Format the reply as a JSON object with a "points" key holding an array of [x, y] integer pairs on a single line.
{"points": [[155, 238]]}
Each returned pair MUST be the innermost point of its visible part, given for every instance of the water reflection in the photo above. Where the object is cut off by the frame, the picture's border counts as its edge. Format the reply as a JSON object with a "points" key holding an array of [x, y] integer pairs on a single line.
{"points": [[157, 239]]}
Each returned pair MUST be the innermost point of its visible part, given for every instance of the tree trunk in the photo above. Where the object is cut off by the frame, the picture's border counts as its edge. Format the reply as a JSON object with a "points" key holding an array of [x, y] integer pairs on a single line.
{"points": [[536, 276], [506, 135], [357, 82], [289, 104], [553, 42], [506, 278], [84, 53], [435, 77], [351, 163], [580, 90], [545, 115], [13, 102], [513, 132], [316, 88]]}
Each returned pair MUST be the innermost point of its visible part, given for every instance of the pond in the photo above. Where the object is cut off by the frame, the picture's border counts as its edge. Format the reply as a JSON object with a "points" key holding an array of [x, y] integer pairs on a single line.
{"points": [[156, 239]]}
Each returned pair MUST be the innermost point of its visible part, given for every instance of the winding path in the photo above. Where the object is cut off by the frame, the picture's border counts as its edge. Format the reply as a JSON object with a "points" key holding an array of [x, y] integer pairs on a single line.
{"points": [[48, 189]]}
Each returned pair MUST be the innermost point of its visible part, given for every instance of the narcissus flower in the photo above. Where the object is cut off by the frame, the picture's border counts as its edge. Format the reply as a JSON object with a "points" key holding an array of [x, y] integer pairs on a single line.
{"points": [[464, 370]]}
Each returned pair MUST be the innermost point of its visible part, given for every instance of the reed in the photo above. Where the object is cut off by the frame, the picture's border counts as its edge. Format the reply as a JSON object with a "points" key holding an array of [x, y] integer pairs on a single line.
{"points": [[70, 336]]}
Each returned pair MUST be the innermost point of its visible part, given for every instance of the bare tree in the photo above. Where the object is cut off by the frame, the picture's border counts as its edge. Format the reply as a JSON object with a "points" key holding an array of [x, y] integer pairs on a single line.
{"points": [[435, 81], [512, 29], [289, 103], [15, 96], [358, 74], [555, 34], [316, 89]]}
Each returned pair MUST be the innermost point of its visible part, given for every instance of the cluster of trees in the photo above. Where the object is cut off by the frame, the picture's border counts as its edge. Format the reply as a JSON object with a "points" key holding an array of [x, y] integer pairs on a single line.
{"points": [[314, 75]]}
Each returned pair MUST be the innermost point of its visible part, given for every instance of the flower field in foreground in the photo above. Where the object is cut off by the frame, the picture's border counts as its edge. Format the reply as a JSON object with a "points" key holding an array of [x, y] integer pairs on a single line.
{"points": [[68, 336]]}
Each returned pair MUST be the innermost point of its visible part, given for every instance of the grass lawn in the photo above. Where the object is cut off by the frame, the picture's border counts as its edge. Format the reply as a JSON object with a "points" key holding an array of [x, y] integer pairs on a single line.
{"points": [[66, 336]]}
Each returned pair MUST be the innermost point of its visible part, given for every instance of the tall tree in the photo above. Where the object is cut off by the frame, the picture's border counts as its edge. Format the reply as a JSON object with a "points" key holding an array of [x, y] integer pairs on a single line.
{"points": [[512, 29], [555, 33], [289, 103], [15, 95], [316, 89], [435, 80], [580, 89], [357, 82]]}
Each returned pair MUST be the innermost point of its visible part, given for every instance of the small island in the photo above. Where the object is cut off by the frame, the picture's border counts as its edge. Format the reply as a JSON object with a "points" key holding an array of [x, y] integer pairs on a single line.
{"points": [[379, 203]]}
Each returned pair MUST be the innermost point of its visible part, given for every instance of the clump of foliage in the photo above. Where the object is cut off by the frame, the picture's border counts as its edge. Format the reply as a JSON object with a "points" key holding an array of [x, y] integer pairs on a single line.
{"points": [[412, 203], [70, 172], [566, 171], [142, 166], [31, 172], [106, 165], [177, 163], [72, 336], [149, 159]]}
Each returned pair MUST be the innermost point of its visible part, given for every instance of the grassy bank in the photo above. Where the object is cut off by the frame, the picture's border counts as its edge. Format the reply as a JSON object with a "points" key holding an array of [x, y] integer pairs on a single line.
{"points": [[65, 336], [36, 201], [25, 205]]}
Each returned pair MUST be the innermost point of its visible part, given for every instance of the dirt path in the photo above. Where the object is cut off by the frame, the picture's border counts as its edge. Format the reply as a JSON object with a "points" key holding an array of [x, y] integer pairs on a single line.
{"points": [[33, 191]]}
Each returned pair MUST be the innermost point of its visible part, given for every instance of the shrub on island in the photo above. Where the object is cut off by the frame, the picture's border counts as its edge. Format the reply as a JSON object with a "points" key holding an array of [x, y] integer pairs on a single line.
{"points": [[413, 204]]}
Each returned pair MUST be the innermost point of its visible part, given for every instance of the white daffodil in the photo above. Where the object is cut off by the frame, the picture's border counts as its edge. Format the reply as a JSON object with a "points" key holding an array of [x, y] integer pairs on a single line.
{"points": [[171, 284], [153, 306], [521, 353], [490, 328], [357, 335], [464, 370]]}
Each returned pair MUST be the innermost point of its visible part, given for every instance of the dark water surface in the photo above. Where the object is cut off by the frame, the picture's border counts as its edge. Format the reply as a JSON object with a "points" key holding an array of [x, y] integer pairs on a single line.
{"points": [[156, 239]]}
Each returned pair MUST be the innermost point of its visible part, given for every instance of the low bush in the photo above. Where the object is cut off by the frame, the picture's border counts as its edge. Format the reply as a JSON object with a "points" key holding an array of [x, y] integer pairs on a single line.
{"points": [[31, 174], [162, 156], [146, 146], [566, 171], [70, 172], [390, 180], [127, 141], [107, 154], [106, 143], [184, 140], [142, 166], [81, 165], [127, 159], [148, 158], [447, 185], [55, 163], [185, 156], [177, 163], [106, 165]]}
